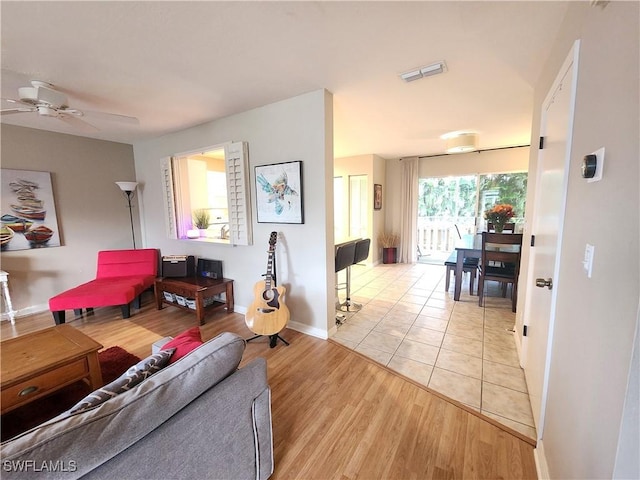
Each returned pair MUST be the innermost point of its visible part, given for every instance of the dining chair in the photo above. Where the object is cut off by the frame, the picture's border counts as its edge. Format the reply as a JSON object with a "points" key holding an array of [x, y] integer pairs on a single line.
{"points": [[500, 262], [508, 228]]}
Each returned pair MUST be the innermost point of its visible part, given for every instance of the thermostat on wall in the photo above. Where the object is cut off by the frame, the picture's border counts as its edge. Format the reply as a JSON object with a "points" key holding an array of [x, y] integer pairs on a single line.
{"points": [[592, 165]]}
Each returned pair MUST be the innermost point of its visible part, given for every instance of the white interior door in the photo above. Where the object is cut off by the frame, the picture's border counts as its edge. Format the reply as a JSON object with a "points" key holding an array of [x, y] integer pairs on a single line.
{"points": [[358, 206], [551, 188]]}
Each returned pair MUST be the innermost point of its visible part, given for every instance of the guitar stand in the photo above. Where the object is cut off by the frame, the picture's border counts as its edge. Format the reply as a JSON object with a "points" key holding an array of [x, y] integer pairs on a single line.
{"points": [[273, 339]]}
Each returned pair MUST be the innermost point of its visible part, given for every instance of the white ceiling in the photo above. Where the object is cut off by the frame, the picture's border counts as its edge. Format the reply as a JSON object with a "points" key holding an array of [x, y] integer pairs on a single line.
{"points": [[174, 65]]}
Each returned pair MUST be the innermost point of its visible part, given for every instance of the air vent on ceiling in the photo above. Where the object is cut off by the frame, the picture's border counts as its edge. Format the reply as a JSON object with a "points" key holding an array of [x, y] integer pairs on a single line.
{"points": [[429, 70]]}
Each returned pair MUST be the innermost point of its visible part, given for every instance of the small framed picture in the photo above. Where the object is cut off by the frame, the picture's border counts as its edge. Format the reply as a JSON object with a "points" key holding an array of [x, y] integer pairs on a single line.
{"points": [[279, 193], [377, 196]]}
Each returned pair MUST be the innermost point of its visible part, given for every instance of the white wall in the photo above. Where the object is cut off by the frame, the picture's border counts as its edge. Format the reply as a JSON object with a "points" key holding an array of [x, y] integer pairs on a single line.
{"points": [[92, 211], [596, 318], [299, 128], [627, 457], [490, 161]]}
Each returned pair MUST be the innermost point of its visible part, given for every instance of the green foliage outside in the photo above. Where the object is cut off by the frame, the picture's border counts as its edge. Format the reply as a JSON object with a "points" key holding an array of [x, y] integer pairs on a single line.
{"points": [[511, 189], [447, 197], [457, 196]]}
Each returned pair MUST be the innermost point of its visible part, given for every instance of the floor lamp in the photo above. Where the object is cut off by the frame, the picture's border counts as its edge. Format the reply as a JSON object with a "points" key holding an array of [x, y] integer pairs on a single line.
{"points": [[129, 189]]}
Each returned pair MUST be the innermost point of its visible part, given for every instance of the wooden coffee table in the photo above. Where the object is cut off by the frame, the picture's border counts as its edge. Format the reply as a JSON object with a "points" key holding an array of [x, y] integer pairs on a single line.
{"points": [[42, 362], [195, 294]]}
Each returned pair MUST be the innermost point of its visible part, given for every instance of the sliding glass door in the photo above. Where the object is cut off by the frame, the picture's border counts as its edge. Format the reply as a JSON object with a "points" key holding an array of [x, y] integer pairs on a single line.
{"points": [[446, 208], [449, 207]]}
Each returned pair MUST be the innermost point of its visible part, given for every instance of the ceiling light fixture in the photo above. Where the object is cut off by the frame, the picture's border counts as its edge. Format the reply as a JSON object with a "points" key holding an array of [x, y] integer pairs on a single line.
{"points": [[461, 142], [429, 70]]}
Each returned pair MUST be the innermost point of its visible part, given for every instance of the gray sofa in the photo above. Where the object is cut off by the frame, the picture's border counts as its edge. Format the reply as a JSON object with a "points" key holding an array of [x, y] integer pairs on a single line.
{"points": [[198, 418]]}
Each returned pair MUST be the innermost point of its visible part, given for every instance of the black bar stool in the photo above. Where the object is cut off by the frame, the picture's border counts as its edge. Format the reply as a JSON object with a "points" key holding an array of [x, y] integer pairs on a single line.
{"points": [[361, 253], [362, 250], [345, 256]]}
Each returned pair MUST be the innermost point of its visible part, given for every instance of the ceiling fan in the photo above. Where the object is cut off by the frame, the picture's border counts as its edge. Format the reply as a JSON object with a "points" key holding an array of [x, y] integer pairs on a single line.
{"points": [[43, 99]]}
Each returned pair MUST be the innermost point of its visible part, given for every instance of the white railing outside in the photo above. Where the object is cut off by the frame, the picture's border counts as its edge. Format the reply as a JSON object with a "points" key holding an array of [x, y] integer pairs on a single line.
{"points": [[437, 236]]}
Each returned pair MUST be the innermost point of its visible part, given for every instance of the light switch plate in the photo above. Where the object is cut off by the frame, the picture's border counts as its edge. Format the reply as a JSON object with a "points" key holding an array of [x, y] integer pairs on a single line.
{"points": [[599, 165]]}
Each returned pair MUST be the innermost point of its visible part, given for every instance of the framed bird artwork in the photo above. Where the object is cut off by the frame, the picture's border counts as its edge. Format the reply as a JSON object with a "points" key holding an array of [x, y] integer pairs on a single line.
{"points": [[279, 193]]}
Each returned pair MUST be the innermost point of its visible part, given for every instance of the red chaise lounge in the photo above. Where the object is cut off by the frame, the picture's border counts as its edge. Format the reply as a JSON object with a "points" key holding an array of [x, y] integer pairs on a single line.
{"points": [[121, 277]]}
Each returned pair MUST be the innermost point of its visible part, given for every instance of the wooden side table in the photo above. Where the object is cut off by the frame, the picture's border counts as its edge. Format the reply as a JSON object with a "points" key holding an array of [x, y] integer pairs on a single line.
{"points": [[195, 294], [42, 362]]}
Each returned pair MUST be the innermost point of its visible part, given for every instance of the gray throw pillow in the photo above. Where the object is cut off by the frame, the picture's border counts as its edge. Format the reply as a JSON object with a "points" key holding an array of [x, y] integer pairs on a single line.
{"points": [[129, 379]]}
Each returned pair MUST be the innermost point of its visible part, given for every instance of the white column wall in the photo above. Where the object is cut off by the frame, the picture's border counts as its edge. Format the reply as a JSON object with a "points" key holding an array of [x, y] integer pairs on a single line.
{"points": [[298, 128]]}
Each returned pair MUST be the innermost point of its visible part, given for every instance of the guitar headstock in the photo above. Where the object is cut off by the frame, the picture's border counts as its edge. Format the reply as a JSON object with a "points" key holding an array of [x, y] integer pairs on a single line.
{"points": [[272, 239]]}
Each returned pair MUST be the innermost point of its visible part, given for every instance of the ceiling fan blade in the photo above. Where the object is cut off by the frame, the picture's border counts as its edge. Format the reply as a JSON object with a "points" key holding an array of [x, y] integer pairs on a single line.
{"points": [[8, 111], [112, 117], [76, 122], [17, 102]]}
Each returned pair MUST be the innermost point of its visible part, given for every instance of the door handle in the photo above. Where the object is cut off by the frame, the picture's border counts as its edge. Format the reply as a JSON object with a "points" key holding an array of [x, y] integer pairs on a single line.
{"points": [[541, 282]]}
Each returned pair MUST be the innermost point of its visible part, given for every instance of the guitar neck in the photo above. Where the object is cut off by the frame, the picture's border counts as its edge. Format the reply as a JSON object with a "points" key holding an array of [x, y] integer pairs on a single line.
{"points": [[269, 275]]}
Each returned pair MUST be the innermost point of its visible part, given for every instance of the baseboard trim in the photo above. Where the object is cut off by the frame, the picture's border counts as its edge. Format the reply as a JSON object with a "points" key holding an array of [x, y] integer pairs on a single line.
{"points": [[308, 330], [239, 309], [541, 461], [23, 312]]}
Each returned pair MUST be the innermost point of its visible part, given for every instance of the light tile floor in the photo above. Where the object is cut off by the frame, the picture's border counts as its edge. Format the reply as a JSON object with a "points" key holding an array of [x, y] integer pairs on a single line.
{"points": [[466, 352]]}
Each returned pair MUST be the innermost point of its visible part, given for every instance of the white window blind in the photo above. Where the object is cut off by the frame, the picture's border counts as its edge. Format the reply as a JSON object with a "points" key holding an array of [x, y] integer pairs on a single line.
{"points": [[238, 193], [169, 205]]}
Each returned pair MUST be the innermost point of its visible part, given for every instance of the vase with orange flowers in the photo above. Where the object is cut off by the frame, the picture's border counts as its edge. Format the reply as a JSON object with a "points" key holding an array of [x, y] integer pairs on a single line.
{"points": [[499, 215]]}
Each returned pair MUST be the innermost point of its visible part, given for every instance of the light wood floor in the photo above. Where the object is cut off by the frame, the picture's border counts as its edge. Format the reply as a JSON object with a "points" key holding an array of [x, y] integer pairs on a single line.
{"points": [[336, 414]]}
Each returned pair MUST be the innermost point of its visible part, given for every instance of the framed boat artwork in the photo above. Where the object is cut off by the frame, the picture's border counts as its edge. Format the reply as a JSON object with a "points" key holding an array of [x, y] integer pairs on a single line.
{"points": [[28, 214]]}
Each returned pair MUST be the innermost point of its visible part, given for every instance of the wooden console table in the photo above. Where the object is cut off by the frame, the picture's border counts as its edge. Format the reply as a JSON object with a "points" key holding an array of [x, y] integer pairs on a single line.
{"points": [[42, 362], [195, 294]]}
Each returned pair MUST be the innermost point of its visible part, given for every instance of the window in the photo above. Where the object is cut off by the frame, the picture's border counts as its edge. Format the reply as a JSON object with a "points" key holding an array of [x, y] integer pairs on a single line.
{"points": [[207, 195], [508, 188], [452, 206]]}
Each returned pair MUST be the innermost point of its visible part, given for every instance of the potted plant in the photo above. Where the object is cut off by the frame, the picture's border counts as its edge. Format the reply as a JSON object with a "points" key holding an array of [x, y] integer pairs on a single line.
{"points": [[389, 243], [201, 219]]}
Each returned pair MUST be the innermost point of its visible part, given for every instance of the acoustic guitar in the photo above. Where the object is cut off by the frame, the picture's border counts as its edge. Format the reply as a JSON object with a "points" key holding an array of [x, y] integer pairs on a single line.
{"points": [[268, 314]]}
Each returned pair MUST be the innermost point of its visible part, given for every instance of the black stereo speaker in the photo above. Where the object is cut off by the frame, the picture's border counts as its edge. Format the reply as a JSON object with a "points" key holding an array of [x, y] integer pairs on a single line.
{"points": [[178, 266], [209, 268]]}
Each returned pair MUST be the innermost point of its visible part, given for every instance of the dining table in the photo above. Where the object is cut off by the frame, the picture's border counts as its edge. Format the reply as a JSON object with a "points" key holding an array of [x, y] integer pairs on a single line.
{"points": [[468, 246]]}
